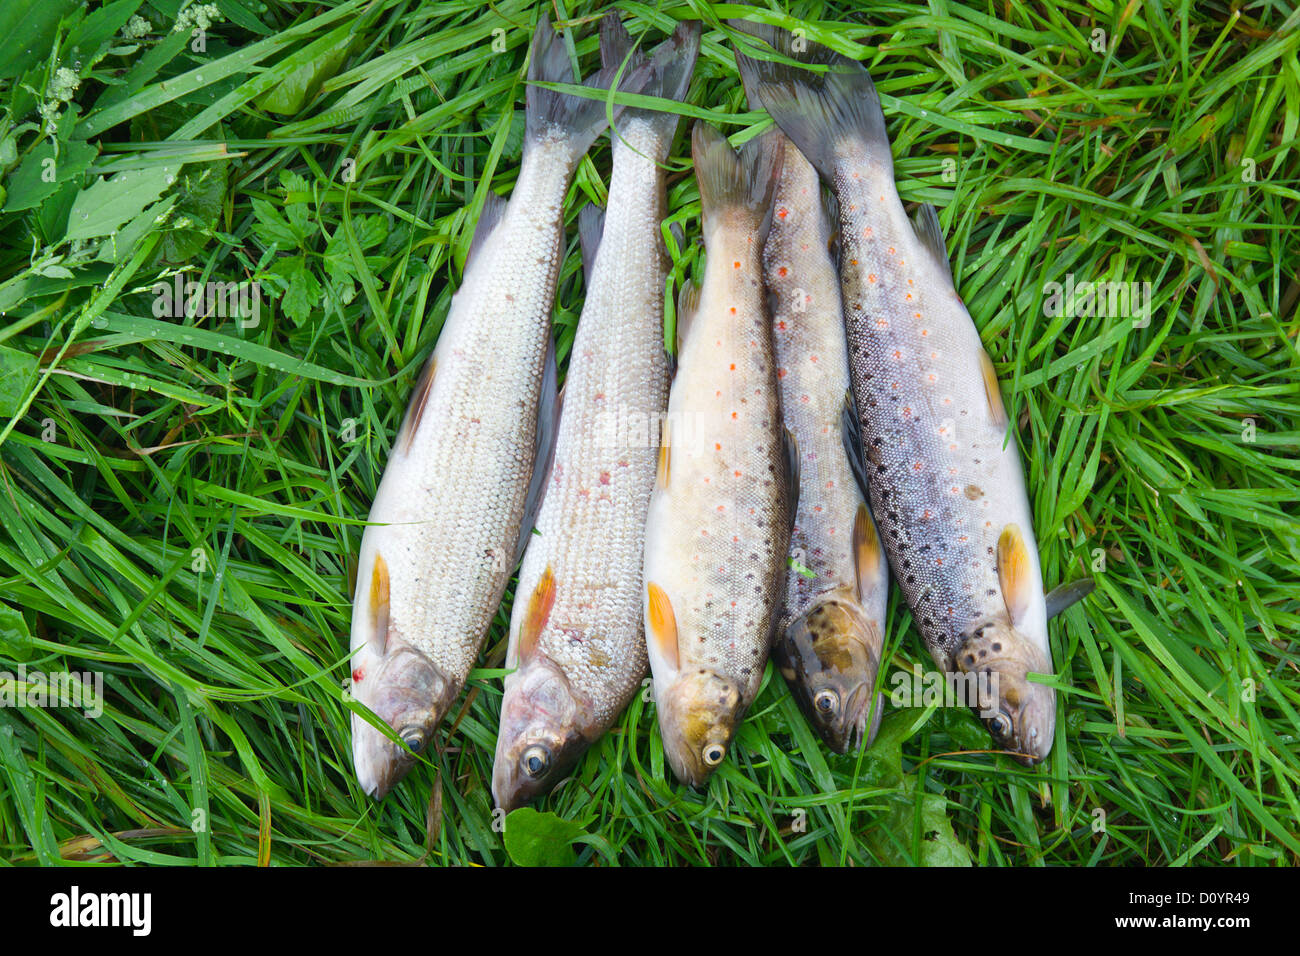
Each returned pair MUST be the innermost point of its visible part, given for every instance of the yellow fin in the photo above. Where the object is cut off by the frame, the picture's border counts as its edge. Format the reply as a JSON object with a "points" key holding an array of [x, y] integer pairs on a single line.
{"points": [[866, 552], [1015, 571], [662, 623], [538, 613], [379, 597], [996, 408]]}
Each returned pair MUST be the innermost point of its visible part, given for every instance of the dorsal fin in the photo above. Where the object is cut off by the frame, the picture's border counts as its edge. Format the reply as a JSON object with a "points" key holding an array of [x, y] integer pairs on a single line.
{"points": [[494, 208], [547, 429], [851, 437], [930, 235], [792, 472], [419, 399], [591, 226], [661, 624], [1015, 572], [540, 603]]}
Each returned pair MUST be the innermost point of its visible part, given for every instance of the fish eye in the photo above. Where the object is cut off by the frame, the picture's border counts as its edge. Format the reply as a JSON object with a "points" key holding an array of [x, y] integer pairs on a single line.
{"points": [[713, 754], [827, 703], [1000, 726], [413, 737], [536, 760]]}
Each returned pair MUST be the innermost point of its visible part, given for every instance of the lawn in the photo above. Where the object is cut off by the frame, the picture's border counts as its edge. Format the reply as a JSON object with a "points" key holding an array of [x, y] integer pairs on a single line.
{"points": [[182, 495]]}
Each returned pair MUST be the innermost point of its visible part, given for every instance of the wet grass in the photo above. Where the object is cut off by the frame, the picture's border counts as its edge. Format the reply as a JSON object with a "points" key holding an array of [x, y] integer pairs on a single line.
{"points": [[181, 499]]}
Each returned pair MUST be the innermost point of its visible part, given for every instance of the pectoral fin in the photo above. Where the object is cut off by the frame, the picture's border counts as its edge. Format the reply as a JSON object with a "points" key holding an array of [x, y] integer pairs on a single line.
{"points": [[661, 624], [540, 603], [997, 410], [379, 604], [792, 474], [1015, 572], [866, 552], [688, 303]]}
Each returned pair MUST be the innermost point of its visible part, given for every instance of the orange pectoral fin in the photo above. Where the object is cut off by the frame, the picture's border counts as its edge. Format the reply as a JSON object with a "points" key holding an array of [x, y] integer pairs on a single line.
{"points": [[538, 613], [379, 603], [661, 624], [997, 410], [866, 552], [1015, 571]]}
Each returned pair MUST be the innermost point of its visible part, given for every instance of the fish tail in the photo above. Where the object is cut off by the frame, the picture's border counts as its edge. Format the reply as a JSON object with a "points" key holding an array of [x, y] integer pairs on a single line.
{"points": [[552, 115], [823, 113], [668, 71], [737, 183]]}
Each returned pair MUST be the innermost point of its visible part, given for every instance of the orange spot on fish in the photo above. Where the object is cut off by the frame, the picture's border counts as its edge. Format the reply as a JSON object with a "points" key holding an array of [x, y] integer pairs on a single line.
{"points": [[871, 277], [781, 373], [736, 265], [782, 213], [781, 271], [358, 675], [604, 477], [733, 366]]}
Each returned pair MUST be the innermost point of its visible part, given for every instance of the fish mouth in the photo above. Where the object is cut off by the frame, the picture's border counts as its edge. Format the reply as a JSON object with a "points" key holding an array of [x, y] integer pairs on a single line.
{"points": [[542, 734], [410, 694]]}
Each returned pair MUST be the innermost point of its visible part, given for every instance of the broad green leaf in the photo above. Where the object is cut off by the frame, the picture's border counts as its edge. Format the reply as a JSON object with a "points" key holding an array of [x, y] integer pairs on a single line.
{"points": [[534, 838], [104, 206]]}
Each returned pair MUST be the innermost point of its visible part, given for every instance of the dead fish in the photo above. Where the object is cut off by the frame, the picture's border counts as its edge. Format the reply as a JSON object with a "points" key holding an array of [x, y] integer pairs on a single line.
{"points": [[719, 523], [455, 504], [831, 631], [944, 472], [576, 635]]}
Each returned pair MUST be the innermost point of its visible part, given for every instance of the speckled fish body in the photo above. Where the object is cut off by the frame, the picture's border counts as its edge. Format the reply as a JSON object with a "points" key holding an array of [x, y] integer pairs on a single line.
{"points": [[577, 646], [945, 480], [719, 523], [831, 630], [446, 523]]}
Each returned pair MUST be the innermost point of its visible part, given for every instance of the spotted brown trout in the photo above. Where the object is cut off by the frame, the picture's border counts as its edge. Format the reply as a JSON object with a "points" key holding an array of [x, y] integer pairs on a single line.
{"points": [[455, 504], [577, 645], [719, 523], [943, 467], [829, 640]]}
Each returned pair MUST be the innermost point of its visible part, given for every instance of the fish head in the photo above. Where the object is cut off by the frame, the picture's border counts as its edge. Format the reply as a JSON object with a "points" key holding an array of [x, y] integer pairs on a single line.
{"points": [[1019, 713], [409, 693], [829, 656], [698, 716], [542, 733]]}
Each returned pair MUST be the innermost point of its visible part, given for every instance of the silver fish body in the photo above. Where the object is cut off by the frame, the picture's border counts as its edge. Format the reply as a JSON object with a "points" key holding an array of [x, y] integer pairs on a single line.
{"points": [[946, 484], [831, 630], [577, 646], [444, 530], [719, 522]]}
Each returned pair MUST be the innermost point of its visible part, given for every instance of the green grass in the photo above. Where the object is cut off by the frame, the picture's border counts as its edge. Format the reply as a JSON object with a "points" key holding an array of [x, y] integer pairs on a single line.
{"points": [[181, 500]]}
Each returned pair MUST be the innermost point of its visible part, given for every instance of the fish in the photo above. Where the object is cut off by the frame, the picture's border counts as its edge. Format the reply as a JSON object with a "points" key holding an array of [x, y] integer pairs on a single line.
{"points": [[459, 491], [726, 490], [946, 483], [830, 633], [577, 650]]}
